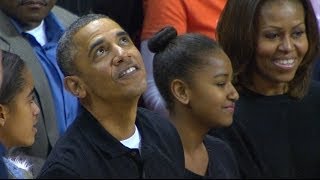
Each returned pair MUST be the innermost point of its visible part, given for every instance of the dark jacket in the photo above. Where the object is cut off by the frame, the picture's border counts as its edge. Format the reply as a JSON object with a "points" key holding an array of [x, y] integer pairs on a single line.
{"points": [[276, 136], [87, 150]]}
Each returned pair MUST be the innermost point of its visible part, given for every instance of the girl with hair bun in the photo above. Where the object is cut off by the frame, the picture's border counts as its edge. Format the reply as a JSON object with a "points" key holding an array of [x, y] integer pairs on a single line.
{"points": [[193, 75]]}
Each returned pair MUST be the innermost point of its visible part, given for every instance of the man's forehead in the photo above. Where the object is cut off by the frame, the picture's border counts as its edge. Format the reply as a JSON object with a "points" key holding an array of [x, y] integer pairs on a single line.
{"points": [[97, 32], [97, 27], [103, 24]]}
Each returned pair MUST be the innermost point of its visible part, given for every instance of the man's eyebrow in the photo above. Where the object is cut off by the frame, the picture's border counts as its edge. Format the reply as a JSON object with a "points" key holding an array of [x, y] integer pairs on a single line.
{"points": [[96, 43], [122, 33], [100, 40]]}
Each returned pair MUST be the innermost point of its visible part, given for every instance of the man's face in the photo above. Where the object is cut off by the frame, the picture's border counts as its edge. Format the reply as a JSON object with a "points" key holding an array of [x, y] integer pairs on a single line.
{"points": [[109, 64], [28, 12]]}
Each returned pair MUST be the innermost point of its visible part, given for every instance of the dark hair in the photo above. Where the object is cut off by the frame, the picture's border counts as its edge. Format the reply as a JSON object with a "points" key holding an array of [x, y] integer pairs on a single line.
{"points": [[177, 57], [66, 48], [12, 76], [236, 33]]}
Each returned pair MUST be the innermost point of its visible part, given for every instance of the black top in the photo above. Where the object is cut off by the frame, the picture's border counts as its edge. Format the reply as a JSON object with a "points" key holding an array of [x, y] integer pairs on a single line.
{"points": [[222, 163], [87, 150], [285, 134], [316, 70]]}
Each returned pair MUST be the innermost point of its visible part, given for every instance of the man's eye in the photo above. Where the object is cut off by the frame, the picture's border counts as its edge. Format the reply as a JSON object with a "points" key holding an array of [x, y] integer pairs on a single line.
{"points": [[100, 51], [124, 41]]}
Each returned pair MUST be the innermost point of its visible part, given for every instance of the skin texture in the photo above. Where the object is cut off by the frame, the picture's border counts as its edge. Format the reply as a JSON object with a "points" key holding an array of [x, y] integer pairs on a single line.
{"points": [[104, 53], [20, 117], [281, 37], [204, 102], [29, 13]]}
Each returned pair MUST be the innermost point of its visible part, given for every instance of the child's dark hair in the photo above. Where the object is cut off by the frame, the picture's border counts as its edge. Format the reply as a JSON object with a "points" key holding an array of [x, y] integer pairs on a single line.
{"points": [[12, 76], [177, 57]]}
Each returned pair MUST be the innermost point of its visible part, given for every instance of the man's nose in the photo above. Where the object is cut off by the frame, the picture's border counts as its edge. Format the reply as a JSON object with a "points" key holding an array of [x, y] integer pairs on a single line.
{"points": [[120, 55]]}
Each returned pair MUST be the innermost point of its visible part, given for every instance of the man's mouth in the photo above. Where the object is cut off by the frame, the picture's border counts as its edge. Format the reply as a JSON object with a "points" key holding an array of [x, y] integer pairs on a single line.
{"points": [[128, 71], [34, 2]]}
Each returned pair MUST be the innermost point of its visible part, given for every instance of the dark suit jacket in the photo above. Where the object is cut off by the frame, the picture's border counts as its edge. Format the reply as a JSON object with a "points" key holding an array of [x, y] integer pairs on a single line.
{"points": [[47, 135]]}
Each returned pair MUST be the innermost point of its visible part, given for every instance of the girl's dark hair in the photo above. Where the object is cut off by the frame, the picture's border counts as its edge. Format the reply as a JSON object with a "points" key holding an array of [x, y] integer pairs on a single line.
{"points": [[237, 34], [12, 76], [177, 57]]}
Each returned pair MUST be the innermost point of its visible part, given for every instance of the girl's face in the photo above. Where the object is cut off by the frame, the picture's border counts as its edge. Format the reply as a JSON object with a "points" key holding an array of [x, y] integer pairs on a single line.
{"points": [[282, 43], [20, 116], [211, 94]]}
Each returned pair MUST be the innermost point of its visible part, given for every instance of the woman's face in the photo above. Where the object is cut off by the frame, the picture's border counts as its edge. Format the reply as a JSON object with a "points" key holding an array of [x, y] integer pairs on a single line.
{"points": [[281, 44], [21, 116], [212, 95]]}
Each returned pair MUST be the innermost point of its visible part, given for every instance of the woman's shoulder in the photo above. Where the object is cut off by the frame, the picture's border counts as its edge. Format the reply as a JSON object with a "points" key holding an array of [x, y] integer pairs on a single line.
{"points": [[313, 94], [314, 87]]}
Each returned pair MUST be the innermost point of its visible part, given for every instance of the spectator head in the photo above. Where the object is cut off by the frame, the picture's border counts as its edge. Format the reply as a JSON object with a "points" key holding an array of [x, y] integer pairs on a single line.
{"points": [[100, 61], [18, 110], [192, 71], [28, 13], [266, 44]]}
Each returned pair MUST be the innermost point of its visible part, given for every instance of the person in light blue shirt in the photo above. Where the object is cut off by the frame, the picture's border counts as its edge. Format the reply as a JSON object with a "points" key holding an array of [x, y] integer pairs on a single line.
{"points": [[31, 29], [43, 40]]}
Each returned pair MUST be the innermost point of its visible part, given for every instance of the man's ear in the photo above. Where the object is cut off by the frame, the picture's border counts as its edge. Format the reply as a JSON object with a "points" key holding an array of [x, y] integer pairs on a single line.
{"points": [[3, 114], [179, 90], [75, 85]]}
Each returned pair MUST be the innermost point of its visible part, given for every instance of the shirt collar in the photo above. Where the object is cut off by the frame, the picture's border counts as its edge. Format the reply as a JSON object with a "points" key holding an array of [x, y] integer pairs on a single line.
{"points": [[51, 23], [92, 129]]}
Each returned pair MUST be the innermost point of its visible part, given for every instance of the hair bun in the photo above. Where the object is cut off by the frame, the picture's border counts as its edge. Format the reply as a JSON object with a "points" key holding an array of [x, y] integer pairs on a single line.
{"points": [[161, 39]]}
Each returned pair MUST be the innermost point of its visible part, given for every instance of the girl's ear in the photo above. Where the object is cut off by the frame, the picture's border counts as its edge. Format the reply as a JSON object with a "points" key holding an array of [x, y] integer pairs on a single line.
{"points": [[3, 114], [74, 85], [180, 91]]}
